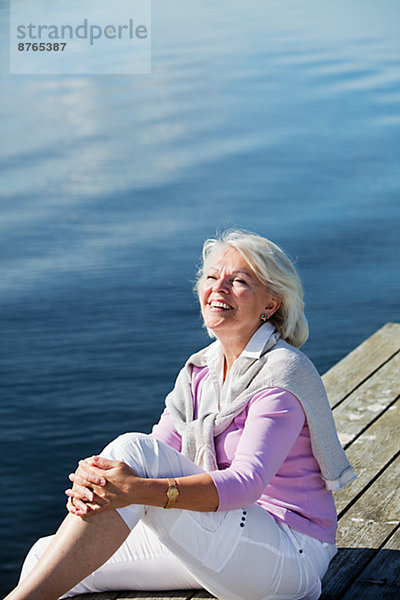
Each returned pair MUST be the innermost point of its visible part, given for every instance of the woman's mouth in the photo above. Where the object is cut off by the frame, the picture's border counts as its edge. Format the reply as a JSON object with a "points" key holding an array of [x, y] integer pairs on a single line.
{"points": [[219, 305]]}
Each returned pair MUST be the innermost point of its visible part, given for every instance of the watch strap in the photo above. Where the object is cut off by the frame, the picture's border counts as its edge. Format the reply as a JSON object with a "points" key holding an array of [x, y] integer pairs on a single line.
{"points": [[172, 493]]}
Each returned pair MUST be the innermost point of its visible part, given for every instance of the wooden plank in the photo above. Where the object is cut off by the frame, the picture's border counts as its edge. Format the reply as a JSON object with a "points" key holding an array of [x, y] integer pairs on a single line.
{"points": [[370, 452], [161, 595], [357, 366], [374, 516], [381, 578], [367, 402], [363, 530], [101, 596]]}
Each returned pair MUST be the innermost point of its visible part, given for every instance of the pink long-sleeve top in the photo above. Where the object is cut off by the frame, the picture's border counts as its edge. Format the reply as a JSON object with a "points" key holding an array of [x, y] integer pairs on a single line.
{"points": [[265, 456]]}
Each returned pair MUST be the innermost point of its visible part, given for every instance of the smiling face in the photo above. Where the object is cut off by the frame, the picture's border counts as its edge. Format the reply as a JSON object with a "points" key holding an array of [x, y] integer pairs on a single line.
{"points": [[232, 298]]}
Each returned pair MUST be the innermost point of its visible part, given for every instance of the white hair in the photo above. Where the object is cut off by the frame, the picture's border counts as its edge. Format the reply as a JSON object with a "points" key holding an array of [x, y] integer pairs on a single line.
{"points": [[273, 268]]}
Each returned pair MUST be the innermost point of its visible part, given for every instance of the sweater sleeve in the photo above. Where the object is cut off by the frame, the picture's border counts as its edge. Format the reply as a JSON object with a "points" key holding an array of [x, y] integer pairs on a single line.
{"points": [[165, 431], [274, 421]]}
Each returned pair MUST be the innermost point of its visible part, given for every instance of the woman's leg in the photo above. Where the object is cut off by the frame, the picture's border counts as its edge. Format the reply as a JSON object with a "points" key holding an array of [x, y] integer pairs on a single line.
{"points": [[141, 563], [245, 554], [79, 547], [82, 545]]}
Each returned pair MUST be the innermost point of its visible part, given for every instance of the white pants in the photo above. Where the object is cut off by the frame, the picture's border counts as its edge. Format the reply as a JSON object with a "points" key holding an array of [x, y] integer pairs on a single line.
{"points": [[242, 554]]}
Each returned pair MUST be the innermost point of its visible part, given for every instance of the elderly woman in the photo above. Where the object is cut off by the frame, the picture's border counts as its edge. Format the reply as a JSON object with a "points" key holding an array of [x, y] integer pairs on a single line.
{"points": [[232, 490]]}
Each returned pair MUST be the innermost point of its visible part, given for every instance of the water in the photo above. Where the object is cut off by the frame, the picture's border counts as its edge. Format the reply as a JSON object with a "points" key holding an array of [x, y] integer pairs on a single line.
{"points": [[280, 118]]}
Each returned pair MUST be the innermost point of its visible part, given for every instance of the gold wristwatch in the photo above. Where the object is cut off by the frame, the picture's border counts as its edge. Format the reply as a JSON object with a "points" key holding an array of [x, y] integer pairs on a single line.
{"points": [[172, 493]]}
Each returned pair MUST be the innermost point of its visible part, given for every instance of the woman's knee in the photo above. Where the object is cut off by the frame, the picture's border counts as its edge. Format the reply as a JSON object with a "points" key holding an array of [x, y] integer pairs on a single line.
{"points": [[123, 444], [138, 450], [149, 457]]}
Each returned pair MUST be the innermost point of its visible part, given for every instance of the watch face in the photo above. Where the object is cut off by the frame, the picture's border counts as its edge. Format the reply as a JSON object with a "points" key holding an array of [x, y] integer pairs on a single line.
{"points": [[173, 493]]}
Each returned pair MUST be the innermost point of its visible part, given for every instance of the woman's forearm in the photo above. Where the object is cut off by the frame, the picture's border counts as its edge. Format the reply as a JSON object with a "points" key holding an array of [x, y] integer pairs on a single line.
{"points": [[196, 492]]}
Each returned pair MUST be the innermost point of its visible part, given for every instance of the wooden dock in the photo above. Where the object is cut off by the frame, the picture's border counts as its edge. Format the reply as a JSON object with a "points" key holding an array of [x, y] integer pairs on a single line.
{"points": [[363, 392]]}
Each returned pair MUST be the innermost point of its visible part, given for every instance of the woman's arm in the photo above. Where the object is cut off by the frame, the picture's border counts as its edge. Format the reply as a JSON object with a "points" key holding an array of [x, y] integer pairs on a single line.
{"points": [[274, 421], [101, 484]]}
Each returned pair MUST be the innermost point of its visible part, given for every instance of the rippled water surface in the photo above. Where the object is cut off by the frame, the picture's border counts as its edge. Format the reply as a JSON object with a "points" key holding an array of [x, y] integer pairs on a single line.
{"points": [[282, 118]]}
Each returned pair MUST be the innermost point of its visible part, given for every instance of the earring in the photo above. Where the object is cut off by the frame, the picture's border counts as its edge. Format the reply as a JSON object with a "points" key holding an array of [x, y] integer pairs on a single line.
{"points": [[264, 317]]}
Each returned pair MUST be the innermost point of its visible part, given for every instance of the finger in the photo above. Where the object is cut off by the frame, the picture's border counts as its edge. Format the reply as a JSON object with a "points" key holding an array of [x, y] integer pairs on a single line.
{"points": [[79, 480], [96, 501], [89, 471], [98, 463], [81, 493], [84, 509], [95, 507], [87, 478], [102, 463], [87, 508], [70, 506], [77, 507]]}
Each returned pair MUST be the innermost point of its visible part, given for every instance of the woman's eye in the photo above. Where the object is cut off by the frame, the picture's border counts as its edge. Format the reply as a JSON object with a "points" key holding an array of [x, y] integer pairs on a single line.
{"points": [[240, 281], [211, 277]]}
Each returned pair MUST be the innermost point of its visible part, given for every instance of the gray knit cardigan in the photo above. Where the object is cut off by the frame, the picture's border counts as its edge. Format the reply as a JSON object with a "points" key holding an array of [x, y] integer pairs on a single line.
{"points": [[280, 365]]}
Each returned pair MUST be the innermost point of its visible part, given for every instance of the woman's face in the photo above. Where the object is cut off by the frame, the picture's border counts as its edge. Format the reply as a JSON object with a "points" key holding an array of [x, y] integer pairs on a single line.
{"points": [[232, 298]]}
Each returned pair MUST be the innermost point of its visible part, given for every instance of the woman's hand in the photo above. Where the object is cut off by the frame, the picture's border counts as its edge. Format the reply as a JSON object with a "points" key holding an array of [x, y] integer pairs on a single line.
{"points": [[80, 498], [100, 484]]}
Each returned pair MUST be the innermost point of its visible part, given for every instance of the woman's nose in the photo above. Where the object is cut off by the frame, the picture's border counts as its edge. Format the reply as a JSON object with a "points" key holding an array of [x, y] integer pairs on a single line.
{"points": [[220, 285]]}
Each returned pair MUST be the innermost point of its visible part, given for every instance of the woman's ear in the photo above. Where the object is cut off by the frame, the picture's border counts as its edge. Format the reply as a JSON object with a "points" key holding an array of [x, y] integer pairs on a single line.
{"points": [[272, 305]]}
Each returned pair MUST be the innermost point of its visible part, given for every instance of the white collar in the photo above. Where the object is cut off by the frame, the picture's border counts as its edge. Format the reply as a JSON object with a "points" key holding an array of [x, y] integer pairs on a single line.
{"points": [[253, 349], [257, 342]]}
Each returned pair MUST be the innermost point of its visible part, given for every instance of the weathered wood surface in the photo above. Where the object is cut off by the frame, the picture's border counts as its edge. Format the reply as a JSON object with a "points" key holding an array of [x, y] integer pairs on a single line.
{"points": [[369, 510], [363, 392], [382, 577], [379, 444], [357, 366], [358, 411], [364, 529]]}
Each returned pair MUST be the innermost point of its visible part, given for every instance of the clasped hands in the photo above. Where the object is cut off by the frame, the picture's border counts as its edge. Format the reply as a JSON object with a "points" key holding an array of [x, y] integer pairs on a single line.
{"points": [[100, 484]]}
